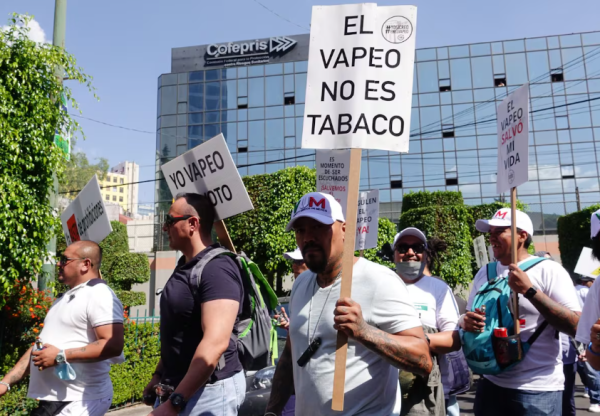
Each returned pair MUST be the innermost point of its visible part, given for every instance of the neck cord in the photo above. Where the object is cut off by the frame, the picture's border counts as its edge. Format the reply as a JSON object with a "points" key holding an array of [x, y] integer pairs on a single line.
{"points": [[311, 339]]}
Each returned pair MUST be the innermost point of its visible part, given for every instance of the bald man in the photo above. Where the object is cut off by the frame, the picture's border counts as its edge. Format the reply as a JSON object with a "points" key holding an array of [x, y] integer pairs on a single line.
{"points": [[83, 330]]}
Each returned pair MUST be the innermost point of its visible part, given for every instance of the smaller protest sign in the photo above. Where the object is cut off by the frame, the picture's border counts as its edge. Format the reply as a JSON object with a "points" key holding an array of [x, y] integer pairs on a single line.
{"points": [[491, 254], [208, 169], [367, 220], [513, 140], [587, 265], [86, 217], [333, 170], [481, 254]]}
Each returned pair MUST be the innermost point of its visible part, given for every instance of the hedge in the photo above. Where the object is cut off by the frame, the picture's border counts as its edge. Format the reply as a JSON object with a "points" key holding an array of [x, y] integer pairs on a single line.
{"points": [[451, 224], [573, 235], [424, 199], [116, 242], [386, 233]]}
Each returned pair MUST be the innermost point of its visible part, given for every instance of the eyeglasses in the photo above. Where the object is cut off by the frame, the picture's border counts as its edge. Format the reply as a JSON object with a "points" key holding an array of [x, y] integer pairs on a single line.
{"points": [[170, 220], [416, 248], [64, 260]]}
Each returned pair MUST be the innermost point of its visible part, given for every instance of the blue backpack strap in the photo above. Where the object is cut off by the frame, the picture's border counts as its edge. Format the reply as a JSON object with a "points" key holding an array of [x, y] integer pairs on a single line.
{"points": [[531, 263], [491, 271]]}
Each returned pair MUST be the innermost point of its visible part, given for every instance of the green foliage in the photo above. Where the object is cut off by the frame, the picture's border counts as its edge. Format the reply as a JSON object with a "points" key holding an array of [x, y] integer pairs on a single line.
{"points": [[29, 117], [574, 235], [127, 269], [142, 352], [451, 224], [129, 298], [260, 233], [387, 231], [424, 199], [79, 171], [116, 242]]}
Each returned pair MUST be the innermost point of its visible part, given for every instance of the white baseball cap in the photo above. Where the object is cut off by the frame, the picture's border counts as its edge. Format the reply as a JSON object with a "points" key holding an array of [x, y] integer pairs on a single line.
{"points": [[412, 231], [318, 206], [293, 255], [502, 218], [595, 222]]}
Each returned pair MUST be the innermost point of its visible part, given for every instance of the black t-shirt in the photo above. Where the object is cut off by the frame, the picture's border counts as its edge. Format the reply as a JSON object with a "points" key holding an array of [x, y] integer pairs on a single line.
{"points": [[180, 316]]}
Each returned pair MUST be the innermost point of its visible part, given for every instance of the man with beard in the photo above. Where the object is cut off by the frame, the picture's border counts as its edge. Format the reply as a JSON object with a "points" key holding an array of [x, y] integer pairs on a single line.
{"points": [[382, 325], [82, 336], [588, 331]]}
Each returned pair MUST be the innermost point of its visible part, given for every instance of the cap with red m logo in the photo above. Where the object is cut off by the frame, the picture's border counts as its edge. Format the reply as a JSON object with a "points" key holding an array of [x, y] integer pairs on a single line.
{"points": [[318, 206], [502, 218]]}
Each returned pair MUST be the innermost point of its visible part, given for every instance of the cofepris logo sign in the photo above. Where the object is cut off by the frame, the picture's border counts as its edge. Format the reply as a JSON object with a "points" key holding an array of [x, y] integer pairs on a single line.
{"points": [[248, 53]]}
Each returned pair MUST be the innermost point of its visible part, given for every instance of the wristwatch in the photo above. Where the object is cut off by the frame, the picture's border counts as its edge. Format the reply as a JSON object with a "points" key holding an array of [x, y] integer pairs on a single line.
{"points": [[530, 293], [178, 402], [60, 357]]}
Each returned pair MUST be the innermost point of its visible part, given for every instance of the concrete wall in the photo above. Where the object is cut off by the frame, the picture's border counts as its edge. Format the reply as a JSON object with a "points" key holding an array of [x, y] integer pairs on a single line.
{"points": [[141, 235], [548, 243]]}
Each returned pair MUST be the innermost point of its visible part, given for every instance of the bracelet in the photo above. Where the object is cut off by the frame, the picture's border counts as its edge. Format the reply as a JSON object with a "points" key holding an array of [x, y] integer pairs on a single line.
{"points": [[5, 384], [597, 354]]}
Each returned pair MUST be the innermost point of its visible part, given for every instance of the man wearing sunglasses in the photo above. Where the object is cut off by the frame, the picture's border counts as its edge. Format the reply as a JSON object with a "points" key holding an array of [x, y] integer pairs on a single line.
{"points": [[197, 321], [84, 330]]}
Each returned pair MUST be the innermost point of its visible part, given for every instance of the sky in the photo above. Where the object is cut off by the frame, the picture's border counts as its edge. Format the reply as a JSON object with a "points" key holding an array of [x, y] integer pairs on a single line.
{"points": [[126, 45]]}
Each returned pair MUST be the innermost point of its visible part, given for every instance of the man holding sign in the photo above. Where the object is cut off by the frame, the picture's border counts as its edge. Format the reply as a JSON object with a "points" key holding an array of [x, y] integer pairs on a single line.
{"points": [[384, 330]]}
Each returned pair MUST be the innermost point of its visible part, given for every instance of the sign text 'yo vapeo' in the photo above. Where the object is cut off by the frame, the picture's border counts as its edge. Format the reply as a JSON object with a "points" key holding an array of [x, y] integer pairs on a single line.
{"points": [[208, 169], [513, 140], [367, 221], [86, 218], [360, 77]]}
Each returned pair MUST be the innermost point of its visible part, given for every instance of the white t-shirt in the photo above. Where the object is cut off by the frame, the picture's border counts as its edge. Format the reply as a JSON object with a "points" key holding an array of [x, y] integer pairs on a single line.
{"points": [[70, 323], [371, 386], [582, 292], [590, 314], [435, 304], [541, 369]]}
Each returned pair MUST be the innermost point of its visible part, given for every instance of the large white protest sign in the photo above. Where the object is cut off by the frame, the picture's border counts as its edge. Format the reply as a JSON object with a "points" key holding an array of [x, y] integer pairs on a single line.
{"points": [[86, 218], [208, 169], [513, 140], [481, 252], [360, 77], [333, 171], [587, 265], [367, 222]]}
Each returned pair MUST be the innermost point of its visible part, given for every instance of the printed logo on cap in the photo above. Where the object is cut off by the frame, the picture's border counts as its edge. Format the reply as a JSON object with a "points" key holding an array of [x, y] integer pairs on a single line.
{"points": [[501, 214], [312, 203]]}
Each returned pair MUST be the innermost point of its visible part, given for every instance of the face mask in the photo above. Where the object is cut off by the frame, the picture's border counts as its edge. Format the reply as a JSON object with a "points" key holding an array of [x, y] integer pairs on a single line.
{"points": [[410, 270]]}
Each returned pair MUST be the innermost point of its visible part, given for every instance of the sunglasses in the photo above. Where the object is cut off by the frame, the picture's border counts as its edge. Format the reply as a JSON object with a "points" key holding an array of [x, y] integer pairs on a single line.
{"points": [[65, 260], [170, 220], [416, 248]]}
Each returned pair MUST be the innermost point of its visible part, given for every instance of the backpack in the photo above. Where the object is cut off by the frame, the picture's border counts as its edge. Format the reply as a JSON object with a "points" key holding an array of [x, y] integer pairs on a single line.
{"points": [[478, 347], [257, 338]]}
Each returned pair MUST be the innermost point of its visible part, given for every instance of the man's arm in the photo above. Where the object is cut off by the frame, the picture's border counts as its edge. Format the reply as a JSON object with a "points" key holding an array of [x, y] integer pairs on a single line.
{"points": [[20, 370], [593, 356], [283, 381], [444, 342], [560, 317], [109, 344], [406, 349]]}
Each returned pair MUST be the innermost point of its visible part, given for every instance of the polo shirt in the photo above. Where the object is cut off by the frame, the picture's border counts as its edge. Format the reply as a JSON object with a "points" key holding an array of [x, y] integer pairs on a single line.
{"points": [[70, 323], [181, 318]]}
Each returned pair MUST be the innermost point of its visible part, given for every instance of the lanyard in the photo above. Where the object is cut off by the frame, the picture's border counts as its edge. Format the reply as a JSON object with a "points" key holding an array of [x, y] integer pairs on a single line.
{"points": [[315, 290]]}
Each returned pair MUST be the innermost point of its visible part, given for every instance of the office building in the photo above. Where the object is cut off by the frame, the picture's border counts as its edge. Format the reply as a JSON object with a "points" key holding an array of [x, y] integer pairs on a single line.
{"points": [[131, 172], [117, 186], [253, 92]]}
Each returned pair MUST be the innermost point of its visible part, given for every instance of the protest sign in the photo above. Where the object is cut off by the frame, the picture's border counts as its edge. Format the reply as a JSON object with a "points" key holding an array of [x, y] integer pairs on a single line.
{"points": [[208, 169], [367, 223], [360, 77], [481, 253], [333, 172], [513, 140], [587, 265], [86, 217]]}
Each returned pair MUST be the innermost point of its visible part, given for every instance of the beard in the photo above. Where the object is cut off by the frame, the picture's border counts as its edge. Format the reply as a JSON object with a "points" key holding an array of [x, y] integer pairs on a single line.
{"points": [[317, 260], [596, 247]]}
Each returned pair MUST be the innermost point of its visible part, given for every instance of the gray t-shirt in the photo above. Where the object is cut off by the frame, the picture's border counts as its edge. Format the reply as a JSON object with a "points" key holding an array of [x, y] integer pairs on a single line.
{"points": [[371, 386]]}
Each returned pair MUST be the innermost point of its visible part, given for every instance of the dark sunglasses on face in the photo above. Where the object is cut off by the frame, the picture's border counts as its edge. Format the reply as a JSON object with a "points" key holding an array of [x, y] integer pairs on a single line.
{"points": [[416, 248], [64, 260], [171, 220]]}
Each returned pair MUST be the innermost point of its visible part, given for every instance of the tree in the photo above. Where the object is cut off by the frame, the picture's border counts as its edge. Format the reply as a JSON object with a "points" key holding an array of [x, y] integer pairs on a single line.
{"points": [[79, 171], [29, 117]]}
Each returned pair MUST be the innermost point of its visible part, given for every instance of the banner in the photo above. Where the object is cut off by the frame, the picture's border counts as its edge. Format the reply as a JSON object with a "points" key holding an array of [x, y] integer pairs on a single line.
{"points": [[367, 222], [587, 265], [333, 171], [360, 77], [481, 252], [86, 218], [208, 169], [513, 140]]}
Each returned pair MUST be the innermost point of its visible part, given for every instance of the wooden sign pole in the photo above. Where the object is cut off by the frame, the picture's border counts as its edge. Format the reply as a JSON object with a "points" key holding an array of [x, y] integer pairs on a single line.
{"points": [[361, 253], [514, 254], [339, 377], [223, 235]]}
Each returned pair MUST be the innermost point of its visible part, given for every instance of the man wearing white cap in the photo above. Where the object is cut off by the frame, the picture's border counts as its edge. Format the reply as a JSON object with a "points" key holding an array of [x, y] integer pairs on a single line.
{"points": [[298, 264], [546, 293], [588, 331], [383, 328]]}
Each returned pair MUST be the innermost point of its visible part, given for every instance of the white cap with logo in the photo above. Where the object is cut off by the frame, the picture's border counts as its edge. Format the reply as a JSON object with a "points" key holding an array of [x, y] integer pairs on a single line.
{"points": [[318, 206], [502, 218], [595, 223], [293, 255], [412, 231]]}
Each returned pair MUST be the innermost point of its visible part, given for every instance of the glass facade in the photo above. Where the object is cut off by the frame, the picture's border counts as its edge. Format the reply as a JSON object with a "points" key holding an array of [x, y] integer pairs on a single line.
{"points": [[259, 109]]}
